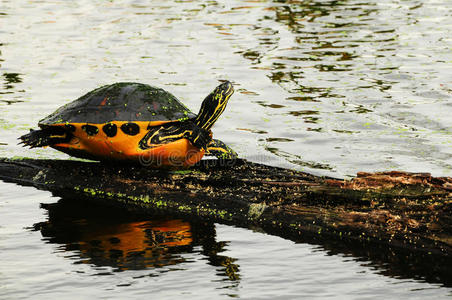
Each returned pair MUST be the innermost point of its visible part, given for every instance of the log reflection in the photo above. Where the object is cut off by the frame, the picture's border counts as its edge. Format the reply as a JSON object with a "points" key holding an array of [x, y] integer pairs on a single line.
{"points": [[106, 236]]}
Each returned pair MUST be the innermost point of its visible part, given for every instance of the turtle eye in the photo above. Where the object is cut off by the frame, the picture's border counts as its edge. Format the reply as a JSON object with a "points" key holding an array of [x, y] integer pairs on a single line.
{"points": [[220, 98], [223, 92]]}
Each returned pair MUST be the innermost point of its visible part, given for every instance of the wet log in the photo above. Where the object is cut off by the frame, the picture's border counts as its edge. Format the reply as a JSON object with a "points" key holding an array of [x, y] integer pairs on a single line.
{"points": [[405, 210]]}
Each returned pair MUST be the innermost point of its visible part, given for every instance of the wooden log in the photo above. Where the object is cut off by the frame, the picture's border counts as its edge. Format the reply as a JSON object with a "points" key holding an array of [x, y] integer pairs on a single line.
{"points": [[405, 210]]}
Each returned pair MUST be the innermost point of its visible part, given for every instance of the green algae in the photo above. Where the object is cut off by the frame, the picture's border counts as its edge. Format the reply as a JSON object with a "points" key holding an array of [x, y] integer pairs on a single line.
{"points": [[156, 202]]}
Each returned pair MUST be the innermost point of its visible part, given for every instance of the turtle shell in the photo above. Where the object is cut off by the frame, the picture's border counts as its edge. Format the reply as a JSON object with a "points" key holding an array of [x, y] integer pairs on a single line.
{"points": [[124, 101]]}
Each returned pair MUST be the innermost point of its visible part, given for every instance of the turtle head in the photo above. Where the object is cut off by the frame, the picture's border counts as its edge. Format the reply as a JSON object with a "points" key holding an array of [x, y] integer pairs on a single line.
{"points": [[213, 105]]}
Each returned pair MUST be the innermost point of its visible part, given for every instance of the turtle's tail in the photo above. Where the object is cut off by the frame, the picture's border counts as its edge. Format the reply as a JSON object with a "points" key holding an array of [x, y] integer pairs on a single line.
{"points": [[45, 137]]}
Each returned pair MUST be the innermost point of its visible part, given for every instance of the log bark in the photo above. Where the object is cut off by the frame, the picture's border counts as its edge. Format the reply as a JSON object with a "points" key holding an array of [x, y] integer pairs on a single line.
{"points": [[404, 210]]}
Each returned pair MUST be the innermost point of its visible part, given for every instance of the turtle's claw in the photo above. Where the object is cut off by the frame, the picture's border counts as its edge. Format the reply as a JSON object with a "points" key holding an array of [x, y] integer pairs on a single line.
{"points": [[220, 150]]}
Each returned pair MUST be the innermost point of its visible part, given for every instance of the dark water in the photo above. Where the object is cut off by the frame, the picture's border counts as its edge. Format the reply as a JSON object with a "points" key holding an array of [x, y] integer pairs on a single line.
{"points": [[329, 87]]}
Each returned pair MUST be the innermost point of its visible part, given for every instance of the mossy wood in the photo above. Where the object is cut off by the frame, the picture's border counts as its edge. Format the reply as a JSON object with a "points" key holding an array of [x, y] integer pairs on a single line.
{"points": [[408, 210]]}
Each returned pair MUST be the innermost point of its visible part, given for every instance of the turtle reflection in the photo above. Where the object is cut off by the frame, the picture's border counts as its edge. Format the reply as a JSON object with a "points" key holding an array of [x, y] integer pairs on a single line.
{"points": [[105, 236]]}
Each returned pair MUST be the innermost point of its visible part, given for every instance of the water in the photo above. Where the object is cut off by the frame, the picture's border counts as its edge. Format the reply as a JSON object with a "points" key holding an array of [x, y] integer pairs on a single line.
{"points": [[328, 87]]}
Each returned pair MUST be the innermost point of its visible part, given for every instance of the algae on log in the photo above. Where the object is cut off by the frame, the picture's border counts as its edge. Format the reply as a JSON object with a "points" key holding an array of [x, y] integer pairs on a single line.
{"points": [[408, 210]]}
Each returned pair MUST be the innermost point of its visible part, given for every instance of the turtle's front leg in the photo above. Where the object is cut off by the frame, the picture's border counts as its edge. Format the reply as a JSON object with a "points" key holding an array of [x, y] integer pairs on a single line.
{"points": [[220, 150], [171, 132], [198, 136]]}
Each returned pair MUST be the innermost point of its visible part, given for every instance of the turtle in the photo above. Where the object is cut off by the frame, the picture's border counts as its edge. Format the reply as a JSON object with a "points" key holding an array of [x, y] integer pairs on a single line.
{"points": [[129, 121]]}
